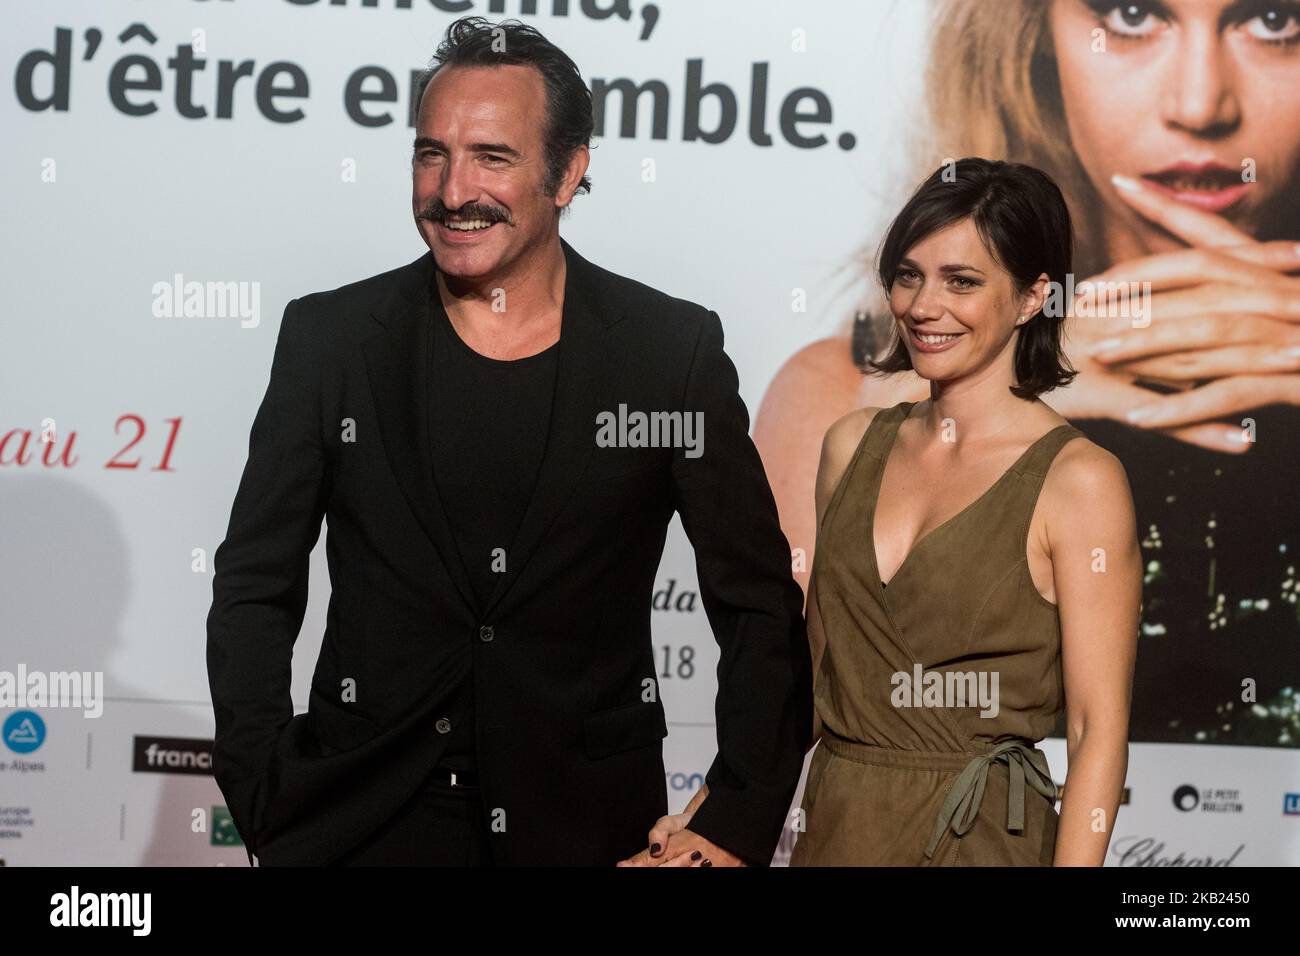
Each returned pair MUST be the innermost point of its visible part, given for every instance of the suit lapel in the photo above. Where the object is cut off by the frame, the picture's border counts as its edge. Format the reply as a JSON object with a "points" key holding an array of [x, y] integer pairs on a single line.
{"points": [[588, 365], [397, 364], [587, 368]]}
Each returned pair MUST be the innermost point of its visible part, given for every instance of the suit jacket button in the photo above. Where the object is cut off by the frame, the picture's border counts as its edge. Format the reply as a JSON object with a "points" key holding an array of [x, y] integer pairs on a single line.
{"points": [[485, 632], [443, 725]]}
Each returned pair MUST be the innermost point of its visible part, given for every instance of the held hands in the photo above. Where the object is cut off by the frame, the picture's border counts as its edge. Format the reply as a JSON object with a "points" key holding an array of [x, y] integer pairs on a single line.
{"points": [[1224, 312], [672, 844]]}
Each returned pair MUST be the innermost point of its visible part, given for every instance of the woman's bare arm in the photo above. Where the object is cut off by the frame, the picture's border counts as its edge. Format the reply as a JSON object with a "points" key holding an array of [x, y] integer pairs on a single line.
{"points": [[1091, 531]]}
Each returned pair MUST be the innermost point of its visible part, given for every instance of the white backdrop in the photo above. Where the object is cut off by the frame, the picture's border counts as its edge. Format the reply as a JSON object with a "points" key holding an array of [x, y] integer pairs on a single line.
{"points": [[108, 569]]}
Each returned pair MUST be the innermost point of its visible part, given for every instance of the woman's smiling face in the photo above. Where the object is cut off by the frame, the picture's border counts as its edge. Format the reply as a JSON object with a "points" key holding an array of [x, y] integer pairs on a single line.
{"points": [[955, 306], [1198, 98]]}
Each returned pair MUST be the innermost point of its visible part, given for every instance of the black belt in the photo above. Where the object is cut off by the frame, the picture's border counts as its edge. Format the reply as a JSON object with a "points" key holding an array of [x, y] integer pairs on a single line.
{"points": [[457, 778]]}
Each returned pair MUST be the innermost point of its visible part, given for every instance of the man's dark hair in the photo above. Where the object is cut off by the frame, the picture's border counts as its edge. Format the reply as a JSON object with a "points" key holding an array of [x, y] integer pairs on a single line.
{"points": [[474, 41], [1022, 218]]}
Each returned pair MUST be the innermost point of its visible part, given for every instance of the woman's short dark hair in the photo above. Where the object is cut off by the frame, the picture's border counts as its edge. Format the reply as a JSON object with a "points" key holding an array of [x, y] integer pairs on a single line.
{"points": [[1022, 218], [474, 41]]}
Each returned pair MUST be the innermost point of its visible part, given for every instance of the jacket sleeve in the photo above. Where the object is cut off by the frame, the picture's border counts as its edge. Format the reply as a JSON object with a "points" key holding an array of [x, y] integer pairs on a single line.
{"points": [[259, 588], [755, 609]]}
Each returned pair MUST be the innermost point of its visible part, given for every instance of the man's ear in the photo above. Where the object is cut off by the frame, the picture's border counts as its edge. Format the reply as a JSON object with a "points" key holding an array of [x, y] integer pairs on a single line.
{"points": [[573, 173]]}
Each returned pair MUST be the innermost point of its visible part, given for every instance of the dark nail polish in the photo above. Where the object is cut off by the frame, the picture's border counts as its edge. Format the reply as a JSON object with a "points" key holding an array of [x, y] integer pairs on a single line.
{"points": [[654, 849], [696, 854], [706, 863]]}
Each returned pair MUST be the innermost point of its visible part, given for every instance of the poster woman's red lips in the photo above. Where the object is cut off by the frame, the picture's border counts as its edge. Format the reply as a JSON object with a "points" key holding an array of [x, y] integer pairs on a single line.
{"points": [[1209, 186]]}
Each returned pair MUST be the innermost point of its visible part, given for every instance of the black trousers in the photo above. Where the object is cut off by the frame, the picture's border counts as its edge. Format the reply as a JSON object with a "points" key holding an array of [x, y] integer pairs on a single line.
{"points": [[441, 825]]}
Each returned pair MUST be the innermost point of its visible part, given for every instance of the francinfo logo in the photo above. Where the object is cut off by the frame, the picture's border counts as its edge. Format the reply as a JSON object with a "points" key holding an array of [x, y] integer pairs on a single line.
{"points": [[188, 755]]}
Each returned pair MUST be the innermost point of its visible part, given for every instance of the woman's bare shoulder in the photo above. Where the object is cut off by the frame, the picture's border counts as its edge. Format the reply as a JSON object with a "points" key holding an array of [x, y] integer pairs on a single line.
{"points": [[845, 433], [840, 443], [1082, 460], [1087, 483]]}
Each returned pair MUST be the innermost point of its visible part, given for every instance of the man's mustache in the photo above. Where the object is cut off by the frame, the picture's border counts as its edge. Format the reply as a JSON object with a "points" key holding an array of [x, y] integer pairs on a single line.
{"points": [[435, 211]]}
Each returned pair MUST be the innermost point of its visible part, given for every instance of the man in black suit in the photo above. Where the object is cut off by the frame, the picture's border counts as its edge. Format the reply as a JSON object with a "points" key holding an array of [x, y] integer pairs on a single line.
{"points": [[485, 691]]}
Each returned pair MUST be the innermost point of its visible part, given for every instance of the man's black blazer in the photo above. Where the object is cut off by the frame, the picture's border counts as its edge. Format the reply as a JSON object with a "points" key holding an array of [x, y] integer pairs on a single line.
{"points": [[569, 724]]}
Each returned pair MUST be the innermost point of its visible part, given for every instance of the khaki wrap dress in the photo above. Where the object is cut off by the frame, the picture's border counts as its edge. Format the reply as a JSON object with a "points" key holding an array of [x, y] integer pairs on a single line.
{"points": [[892, 785]]}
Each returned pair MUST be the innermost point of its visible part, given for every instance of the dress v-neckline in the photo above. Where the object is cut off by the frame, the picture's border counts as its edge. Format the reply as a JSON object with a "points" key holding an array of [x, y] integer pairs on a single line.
{"points": [[916, 545]]}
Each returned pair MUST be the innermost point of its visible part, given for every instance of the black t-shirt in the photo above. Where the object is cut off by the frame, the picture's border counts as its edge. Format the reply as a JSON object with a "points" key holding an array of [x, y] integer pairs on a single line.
{"points": [[488, 423]]}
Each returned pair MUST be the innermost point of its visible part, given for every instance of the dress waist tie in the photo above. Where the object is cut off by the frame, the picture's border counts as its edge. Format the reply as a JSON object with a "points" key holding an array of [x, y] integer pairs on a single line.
{"points": [[1024, 763]]}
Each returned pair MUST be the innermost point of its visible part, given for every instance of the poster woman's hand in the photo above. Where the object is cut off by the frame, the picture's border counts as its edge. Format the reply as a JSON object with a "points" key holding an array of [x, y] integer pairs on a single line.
{"points": [[1226, 310], [1109, 392]]}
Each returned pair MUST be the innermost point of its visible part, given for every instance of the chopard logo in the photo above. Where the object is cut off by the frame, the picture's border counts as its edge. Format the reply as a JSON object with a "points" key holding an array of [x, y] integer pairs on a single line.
{"points": [[1145, 851]]}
